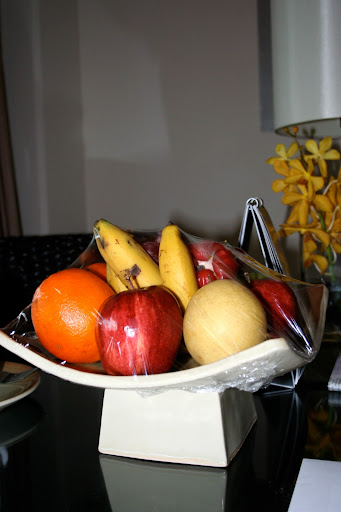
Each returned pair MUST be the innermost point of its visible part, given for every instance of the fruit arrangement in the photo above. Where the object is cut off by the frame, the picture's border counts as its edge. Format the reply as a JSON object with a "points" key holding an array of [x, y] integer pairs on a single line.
{"points": [[148, 300]]}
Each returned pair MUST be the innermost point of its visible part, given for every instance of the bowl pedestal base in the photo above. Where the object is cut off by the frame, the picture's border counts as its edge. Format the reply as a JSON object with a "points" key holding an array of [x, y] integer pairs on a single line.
{"points": [[205, 429]]}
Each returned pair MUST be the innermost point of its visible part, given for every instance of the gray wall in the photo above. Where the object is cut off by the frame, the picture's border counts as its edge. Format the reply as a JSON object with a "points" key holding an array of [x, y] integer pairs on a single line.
{"points": [[139, 111]]}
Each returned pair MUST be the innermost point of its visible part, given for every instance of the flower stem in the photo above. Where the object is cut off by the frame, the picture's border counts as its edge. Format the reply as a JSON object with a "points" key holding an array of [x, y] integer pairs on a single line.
{"points": [[334, 294], [329, 252]]}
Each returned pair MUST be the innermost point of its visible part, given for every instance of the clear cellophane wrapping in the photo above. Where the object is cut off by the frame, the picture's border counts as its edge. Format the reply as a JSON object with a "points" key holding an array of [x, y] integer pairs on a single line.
{"points": [[302, 334]]}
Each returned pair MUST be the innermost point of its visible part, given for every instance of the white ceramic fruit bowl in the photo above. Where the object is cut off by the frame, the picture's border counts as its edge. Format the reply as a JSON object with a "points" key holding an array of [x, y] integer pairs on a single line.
{"points": [[187, 416], [190, 415], [247, 370]]}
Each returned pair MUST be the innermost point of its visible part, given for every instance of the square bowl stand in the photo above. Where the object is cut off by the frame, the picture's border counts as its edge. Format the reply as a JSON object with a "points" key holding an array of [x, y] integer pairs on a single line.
{"points": [[198, 428]]}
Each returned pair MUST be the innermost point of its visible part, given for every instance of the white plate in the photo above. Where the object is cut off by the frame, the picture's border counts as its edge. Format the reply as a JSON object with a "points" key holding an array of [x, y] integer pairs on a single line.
{"points": [[248, 370], [12, 392]]}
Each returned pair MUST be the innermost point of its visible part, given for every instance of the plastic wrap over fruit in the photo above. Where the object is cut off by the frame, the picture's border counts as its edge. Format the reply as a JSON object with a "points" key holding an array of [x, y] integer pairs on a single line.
{"points": [[188, 313]]}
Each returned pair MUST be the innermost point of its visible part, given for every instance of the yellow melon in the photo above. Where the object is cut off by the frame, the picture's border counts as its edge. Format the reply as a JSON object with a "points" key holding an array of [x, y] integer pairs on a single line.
{"points": [[221, 319]]}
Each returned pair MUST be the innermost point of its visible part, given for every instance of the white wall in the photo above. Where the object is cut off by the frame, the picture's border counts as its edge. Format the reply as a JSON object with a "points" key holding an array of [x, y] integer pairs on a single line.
{"points": [[42, 75], [137, 111]]}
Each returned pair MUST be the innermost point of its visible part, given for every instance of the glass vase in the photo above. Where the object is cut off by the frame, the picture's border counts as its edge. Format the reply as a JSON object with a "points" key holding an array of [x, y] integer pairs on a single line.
{"points": [[332, 279]]}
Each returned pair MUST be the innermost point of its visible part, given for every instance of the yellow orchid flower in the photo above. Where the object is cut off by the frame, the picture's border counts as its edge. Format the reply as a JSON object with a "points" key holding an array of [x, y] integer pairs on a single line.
{"points": [[323, 203], [300, 197], [337, 224], [320, 153], [331, 217], [301, 175], [336, 246], [282, 168], [310, 257], [318, 233], [301, 205], [335, 235], [333, 193], [314, 198], [282, 153], [294, 214], [279, 186], [333, 190]]}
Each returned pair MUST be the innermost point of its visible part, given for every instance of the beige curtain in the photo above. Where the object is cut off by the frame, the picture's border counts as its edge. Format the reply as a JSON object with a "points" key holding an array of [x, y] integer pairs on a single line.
{"points": [[10, 224]]}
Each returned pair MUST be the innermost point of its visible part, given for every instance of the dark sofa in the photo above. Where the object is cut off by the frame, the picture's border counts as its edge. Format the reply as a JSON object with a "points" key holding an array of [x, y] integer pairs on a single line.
{"points": [[26, 260]]}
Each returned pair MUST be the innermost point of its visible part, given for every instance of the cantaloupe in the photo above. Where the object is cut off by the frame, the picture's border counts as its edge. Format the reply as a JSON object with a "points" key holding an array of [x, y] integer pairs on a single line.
{"points": [[221, 319]]}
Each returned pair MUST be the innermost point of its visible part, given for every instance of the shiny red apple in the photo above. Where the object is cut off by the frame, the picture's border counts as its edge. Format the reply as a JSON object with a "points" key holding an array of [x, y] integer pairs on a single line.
{"points": [[279, 302], [152, 249], [215, 257], [139, 332], [205, 276]]}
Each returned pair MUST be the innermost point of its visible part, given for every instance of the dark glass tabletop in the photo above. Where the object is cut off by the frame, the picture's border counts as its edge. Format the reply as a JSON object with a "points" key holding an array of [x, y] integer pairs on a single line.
{"points": [[49, 458]]}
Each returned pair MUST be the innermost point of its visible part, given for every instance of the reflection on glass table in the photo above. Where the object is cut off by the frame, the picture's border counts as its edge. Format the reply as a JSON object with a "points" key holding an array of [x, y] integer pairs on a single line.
{"points": [[57, 466], [263, 472], [17, 424], [324, 426]]}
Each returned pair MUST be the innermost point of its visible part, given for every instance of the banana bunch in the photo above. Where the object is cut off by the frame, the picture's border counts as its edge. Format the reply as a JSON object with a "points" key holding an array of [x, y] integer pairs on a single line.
{"points": [[130, 266]]}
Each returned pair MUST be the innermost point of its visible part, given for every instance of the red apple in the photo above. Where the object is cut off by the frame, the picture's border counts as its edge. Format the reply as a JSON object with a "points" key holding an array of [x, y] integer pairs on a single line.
{"points": [[152, 249], [279, 302], [214, 256], [139, 331], [205, 276]]}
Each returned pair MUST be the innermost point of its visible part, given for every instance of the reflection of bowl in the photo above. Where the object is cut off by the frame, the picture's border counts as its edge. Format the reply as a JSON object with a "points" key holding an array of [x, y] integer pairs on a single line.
{"points": [[19, 421], [146, 486]]}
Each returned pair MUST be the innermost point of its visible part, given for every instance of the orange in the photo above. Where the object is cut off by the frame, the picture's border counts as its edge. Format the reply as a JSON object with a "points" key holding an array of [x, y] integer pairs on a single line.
{"points": [[100, 269], [64, 312]]}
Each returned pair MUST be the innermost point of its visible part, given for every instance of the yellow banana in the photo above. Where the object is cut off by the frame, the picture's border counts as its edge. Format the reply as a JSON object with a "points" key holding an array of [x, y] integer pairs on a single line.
{"points": [[114, 281], [127, 258], [176, 265]]}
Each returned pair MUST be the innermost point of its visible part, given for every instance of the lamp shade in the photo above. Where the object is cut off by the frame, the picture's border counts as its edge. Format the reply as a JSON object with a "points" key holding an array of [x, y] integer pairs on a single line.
{"points": [[306, 62]]}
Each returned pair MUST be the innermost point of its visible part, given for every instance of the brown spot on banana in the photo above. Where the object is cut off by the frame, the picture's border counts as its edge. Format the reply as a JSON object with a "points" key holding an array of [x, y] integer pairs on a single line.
{"points": [[135, 271], [103, 243]]}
